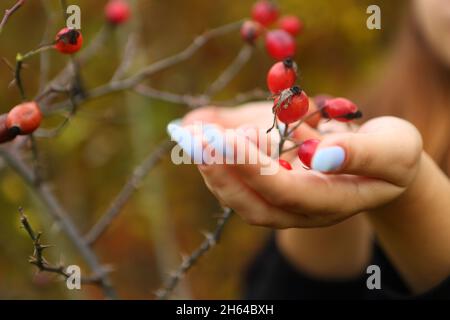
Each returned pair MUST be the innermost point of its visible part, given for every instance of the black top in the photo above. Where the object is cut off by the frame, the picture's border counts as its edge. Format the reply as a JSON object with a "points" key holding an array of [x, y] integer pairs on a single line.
{"points": [[271, 276]]}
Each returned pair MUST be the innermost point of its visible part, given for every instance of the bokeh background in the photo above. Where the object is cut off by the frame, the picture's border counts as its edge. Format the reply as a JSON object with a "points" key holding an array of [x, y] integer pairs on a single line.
{"points": [[92, 159]]}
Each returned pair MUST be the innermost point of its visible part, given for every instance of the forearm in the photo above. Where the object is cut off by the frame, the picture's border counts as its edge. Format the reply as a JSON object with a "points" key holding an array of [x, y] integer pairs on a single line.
{"points": [[414, 230], [336, 252]]}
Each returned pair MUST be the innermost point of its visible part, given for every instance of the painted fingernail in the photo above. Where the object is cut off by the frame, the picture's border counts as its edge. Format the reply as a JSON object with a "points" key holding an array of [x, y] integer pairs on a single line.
{"points": [[173, 125], [328, 159]]}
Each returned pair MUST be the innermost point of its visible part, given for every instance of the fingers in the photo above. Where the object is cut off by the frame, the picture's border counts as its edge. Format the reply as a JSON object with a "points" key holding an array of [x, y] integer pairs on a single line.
{"points": [[252, 208], [388, 149]]}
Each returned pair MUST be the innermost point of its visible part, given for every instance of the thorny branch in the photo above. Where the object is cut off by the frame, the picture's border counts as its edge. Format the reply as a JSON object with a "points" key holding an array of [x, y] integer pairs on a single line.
{"points": [[10, 12], [211, 240], [44, 192], [38, 258]]}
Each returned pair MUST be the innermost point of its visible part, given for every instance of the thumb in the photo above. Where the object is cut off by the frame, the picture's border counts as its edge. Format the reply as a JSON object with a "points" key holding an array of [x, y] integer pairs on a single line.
{"points": [[391, 154]]}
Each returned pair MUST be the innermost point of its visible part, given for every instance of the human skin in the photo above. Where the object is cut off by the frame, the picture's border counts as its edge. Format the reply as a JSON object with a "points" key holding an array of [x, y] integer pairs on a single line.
{"points": [[404, 183]]}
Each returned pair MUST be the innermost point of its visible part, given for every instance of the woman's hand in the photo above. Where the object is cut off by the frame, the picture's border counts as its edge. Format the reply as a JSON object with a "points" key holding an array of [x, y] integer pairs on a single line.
{"points": [[361, 171]]}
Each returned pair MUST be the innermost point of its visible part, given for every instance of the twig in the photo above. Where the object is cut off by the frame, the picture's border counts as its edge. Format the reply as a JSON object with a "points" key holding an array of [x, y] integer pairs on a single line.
{"points": [[189, 100], [255, 94], [231, 71], [44, 57], [19, 63], [127, 58], [10, 12], [211, 239], [60, 216], [38, 258], [127, 191], [303, 120], [36, 159]]}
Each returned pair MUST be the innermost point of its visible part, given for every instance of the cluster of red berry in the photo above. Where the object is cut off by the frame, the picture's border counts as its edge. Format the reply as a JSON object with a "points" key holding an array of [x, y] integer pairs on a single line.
{"points": [[291, 104], [280, 42]]}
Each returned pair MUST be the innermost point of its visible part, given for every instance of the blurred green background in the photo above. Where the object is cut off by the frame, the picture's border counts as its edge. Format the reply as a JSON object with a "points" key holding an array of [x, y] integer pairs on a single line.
{"points": [[92, 159]]}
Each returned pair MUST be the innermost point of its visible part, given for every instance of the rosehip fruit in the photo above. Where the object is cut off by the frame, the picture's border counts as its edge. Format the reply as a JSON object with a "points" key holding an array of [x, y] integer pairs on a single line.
{"points": [[5, 134], [292, 108], [285, 164], [340, 109], [282, 76], [306, 151], [265, 12], [291, 24], [250, 31], [117, 12], [280, 44], [68, 41], [24, 118]]}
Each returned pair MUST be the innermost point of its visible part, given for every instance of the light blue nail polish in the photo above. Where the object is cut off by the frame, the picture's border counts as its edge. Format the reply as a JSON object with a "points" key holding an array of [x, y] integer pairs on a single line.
{"points": [[328, 159], [173, 125]]}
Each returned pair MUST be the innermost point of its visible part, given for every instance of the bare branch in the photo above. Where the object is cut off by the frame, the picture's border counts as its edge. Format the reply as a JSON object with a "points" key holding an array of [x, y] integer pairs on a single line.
{"points": [[127, 191], [60, 216], [10, 12], [211, 239], [189, 100], [231, 71], [38, 258], [240, 98], [127, 58], [132, 81]]}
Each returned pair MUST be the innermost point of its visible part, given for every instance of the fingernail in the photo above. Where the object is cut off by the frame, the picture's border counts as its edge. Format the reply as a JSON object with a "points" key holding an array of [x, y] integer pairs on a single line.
{"points": [[190, 144], [173, 125], [328, 159]]}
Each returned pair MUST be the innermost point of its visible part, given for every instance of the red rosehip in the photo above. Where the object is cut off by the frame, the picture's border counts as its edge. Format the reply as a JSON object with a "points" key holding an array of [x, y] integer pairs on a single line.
{"points": [[5, 134], [68, 41], [306, 151], [265, 12], [280, 44], [117, 11], [291, 24], [340, 109], [293, 108], [285, 164], [250, 31], [282, 76], [24, 118]]}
